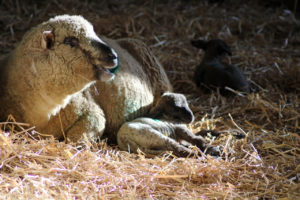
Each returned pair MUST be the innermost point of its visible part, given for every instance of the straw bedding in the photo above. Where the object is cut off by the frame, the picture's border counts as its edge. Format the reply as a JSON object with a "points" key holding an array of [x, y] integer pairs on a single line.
{"points": [[265, 164]]}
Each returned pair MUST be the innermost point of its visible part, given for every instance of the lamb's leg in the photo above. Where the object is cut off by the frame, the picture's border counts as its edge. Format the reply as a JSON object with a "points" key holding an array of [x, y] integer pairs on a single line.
{"points": [[183, 133], [133, 136], [131, 146]]}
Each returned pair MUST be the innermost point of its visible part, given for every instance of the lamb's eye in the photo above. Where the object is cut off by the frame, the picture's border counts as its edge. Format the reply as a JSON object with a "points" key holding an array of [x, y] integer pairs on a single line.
{"points": [[72, 41]]}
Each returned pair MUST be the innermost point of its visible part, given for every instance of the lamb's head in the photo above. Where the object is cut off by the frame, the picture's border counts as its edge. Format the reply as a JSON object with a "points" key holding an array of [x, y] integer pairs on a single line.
{"points": [[173, 107], [215, 48], [69, 44]]}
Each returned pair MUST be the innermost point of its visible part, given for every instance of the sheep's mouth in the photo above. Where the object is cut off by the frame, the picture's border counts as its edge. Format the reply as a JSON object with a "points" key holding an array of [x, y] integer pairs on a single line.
{"points": [[115, 67], [104, 74], [108, 72]]}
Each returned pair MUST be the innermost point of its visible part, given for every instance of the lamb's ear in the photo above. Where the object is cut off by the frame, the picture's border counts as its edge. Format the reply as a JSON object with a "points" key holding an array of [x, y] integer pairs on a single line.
{"points": [[200, 44], [47, 39], [228, 51]]}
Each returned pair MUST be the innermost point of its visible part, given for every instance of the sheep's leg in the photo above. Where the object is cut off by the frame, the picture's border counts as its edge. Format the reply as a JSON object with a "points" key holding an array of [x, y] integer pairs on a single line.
{"points": [[183, 133], [148, 140], [80, 116], [90, 120]]}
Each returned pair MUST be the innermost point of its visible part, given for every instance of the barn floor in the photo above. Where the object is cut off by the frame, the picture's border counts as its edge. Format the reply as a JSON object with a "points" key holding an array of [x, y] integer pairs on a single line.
{"points": [[263, 165]]}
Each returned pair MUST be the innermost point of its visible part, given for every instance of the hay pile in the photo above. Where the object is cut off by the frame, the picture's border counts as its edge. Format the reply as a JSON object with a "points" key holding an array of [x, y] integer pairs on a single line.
{"points": [[264, 165]]}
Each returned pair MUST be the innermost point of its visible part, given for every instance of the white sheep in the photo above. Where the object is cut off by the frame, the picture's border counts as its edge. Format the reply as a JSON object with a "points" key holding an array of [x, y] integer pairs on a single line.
{"points": [[52, 64], [163, 129]]}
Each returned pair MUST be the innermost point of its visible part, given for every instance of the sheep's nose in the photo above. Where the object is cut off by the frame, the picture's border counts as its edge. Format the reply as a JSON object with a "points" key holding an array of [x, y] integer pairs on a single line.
{"points": [[105, 49], [112, 56]]}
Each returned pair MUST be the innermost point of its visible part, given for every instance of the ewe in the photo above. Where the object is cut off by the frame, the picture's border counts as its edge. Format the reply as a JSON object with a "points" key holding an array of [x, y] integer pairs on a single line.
{"points": [[51, 65], [46, 80]]}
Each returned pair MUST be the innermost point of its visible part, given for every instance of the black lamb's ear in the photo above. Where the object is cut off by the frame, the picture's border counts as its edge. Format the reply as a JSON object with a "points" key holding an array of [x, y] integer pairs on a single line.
{"points": [[47, 40], [222, 47], [225, 49], [200, 44], [228, 51]]}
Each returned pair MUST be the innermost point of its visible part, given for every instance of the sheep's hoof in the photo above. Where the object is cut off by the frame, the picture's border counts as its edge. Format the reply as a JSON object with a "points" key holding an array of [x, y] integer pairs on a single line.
{"points": [[214, 151]]}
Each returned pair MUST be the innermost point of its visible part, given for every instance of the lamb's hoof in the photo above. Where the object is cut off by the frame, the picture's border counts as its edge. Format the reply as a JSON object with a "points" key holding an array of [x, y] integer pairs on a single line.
{"points": [[239, 136], [205, 133], [214, 151]]}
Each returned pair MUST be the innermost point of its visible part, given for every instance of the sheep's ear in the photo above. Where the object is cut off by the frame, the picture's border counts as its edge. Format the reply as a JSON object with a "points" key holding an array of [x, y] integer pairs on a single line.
{"points": [[200, 44], [228, 51], [47, 40]]}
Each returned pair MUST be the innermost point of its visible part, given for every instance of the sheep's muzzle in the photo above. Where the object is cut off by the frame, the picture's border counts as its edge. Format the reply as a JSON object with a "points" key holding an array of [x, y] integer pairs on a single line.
{"points": [[103, 74], [106, 67]]}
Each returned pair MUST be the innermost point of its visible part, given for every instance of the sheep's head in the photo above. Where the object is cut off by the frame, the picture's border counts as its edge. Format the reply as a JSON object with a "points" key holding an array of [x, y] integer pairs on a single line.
{"points": [[173, 107], [71, 47], [213, 48]]}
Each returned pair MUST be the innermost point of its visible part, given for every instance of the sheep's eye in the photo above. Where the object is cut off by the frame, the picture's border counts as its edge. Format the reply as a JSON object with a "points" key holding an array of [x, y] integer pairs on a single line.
{"points": [[72, 41]]}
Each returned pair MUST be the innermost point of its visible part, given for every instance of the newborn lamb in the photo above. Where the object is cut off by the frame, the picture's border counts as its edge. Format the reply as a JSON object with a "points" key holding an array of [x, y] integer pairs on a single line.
{"points": [[163, 129]]}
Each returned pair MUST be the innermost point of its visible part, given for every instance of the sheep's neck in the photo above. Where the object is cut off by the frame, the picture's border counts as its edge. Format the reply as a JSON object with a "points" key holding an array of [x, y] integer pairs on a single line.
{"points": [[36, 96]]}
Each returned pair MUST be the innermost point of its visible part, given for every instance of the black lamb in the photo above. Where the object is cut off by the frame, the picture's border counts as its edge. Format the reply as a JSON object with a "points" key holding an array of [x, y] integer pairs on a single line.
{"points": [[213, 73]]}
